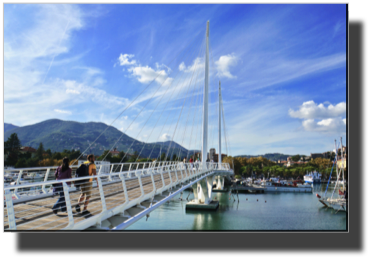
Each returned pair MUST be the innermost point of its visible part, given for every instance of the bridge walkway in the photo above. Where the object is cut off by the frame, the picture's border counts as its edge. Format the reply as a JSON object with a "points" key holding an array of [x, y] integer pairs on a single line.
{"points": [[38, 215]]}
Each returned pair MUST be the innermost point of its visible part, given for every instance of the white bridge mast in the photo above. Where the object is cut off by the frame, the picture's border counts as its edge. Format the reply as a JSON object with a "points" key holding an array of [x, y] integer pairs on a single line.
{"points": [[205, 104], [220, 127]]}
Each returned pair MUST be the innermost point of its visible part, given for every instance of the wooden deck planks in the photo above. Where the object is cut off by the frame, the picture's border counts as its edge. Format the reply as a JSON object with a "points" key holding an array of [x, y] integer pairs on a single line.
{"points": [[37, 215]]}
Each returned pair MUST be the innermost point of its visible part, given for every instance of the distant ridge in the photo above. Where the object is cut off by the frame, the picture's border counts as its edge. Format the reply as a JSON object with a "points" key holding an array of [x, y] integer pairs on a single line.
{"points": [[58, 135], [269, 156], [9, 127]]}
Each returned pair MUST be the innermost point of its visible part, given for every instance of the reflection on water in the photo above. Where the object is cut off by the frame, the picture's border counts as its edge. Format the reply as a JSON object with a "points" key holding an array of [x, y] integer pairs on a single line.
{"points": [[272, 211]]}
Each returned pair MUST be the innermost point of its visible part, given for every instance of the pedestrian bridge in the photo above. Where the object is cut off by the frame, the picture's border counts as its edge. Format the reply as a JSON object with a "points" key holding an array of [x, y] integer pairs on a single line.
{"points": [[128, 193]]}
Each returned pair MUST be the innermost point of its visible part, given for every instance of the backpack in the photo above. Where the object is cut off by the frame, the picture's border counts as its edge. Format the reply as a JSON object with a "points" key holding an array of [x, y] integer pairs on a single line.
{"points": [[82, 171]]}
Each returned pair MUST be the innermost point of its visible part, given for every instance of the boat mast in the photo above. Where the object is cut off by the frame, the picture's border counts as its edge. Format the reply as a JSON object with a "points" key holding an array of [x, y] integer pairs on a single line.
{"points": [[341, 159]]}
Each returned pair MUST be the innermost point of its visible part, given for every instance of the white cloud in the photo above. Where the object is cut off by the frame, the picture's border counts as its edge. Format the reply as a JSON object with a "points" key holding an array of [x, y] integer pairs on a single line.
{"points": [[197, 65], [224, 64], [73, 91], [329, 125], [165, 137], [310, 110], [62, 111], [147, 74], [124, 59]]}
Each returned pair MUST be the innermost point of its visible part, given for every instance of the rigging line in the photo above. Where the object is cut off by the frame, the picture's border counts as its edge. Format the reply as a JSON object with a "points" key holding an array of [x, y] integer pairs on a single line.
{"points": [[184, 101], [122, 134], [166, 121], [156, 123], [200, 122], [224, 127], [188, 114], [192, 127], [162, 96], [152, 114], [140, 110], [141, 92]]}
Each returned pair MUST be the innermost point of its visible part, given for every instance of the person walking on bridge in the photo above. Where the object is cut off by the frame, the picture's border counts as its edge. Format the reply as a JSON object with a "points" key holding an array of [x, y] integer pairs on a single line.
{"points": [[86, 188], [62, 172]]}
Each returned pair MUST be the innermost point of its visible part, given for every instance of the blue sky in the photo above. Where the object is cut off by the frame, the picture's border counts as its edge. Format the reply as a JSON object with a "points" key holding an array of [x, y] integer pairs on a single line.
{"points": [[282, 69]]}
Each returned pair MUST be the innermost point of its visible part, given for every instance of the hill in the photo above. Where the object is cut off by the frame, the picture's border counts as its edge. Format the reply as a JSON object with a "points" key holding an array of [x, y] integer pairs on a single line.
{"points": [[9, 127], [269, 156], [58, 135]]}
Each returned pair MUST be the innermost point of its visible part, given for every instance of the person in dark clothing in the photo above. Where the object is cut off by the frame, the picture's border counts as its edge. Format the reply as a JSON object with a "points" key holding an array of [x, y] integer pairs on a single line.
{"points": [[62, 172]]}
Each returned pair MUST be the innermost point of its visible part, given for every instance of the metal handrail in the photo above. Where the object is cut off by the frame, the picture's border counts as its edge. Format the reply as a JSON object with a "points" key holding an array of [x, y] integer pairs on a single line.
{"points": [[106, 212]]}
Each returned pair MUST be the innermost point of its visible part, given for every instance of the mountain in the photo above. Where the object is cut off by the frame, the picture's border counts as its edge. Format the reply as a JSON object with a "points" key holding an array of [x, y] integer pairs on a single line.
{"points": [[8, 127], [269, 156], [58, 135]]}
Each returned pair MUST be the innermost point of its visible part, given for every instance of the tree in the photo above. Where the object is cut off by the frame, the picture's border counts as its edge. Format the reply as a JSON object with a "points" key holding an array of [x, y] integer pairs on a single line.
{"points": [[40, 151], [12, 148], [174, 158], [48, 151], [296, 158], [163, 156]]}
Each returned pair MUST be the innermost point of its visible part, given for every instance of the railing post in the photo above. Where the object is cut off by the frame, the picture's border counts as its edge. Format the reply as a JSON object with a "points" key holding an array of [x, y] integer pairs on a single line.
{"points": [[141, 185], [10, 210], [181, 174], [68, 204], [124, 187], [162, 179], [101, 192], [45, 179], [17, 183], [186, 170], [154, 184], [170, 177]]}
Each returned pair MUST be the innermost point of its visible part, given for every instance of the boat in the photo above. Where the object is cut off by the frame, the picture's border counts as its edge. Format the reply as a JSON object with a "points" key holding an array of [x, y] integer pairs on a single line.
{"points": [[312, 177], [338, 203]]}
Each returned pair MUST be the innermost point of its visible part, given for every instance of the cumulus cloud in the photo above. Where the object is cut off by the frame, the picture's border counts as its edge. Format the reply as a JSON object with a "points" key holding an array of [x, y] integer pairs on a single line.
{"points": [[197, 64], [325, 117], [325, 125], [124, 59], [73, 91], [165, 137], [147, 74], [224, 64], [62, 111], [310, 110]]}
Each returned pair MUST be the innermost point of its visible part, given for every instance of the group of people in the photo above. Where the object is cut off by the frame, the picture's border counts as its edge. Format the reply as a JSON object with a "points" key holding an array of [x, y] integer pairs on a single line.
{"points": [[65, 172], [192, 163]]}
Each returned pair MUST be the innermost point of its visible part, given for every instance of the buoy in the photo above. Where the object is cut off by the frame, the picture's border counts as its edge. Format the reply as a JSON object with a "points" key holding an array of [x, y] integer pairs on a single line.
{"points": [[265, 201], [257, 199], [247, 199], [318, 196]]}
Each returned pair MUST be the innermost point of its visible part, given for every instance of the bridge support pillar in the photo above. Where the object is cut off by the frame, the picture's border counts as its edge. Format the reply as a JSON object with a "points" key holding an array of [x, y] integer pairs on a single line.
{"points": [[219, 182], [203, 196]]}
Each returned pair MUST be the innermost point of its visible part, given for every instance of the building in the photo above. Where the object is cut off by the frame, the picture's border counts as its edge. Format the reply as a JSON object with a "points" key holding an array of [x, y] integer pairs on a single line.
{"points": [[212, 153], [114, 152], [31, 150], [316, 155], [216, 157]]}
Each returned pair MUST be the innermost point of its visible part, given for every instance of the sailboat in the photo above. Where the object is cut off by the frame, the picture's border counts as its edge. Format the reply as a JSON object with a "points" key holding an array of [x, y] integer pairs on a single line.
{"points": [[338, 203]]}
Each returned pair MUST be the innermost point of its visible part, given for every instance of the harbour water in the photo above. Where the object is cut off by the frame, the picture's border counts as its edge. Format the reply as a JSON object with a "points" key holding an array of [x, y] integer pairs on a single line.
{"points": [[269, 211]]}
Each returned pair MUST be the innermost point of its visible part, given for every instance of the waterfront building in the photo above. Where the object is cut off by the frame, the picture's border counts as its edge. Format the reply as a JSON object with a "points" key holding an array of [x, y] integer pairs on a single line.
{"points": [[31, 150], [212, 154], [217, 155]]}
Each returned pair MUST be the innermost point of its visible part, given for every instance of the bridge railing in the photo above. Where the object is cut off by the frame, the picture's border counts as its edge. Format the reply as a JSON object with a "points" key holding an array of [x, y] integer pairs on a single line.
{"points": [[109, 196]]}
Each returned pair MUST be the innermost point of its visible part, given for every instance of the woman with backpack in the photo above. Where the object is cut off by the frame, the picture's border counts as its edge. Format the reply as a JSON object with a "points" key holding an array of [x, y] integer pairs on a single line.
{"points": [[62, 172]]}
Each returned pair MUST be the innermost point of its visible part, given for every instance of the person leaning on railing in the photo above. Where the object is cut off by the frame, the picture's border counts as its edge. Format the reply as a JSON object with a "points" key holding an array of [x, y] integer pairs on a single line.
{"points": [[62, 172]]}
